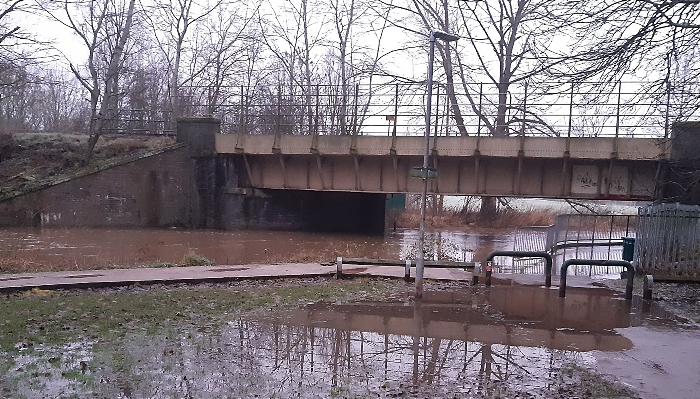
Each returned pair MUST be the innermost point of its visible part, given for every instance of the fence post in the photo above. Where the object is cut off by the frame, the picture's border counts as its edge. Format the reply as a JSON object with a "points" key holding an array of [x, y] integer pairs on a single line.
{"points": [[339, 267], [648, 285], [476, 273], [407, 274], [489, 270]]}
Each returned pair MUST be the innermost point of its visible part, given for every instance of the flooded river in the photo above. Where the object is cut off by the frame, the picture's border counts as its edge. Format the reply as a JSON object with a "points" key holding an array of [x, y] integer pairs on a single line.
{"points": [[88, 248], [49, 249]]}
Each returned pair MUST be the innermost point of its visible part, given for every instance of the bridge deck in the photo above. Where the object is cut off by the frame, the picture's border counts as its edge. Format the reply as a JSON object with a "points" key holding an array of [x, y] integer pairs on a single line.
{"points": [[559, 167]]}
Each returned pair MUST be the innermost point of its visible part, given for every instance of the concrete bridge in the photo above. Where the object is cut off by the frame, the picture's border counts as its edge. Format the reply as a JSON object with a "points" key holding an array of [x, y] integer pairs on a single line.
{"points": [[541, 167], [249, 180], [523, 166]]}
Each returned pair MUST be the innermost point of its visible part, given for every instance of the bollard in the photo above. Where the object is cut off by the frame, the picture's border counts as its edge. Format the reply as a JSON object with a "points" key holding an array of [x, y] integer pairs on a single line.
{"points": [[339, 268], [489, 270], [407, 274], [648, 285], [476, 273]]}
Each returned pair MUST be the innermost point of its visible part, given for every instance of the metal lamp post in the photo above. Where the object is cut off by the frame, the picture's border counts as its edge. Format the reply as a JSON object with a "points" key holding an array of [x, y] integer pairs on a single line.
{"points": [[420, 262]]}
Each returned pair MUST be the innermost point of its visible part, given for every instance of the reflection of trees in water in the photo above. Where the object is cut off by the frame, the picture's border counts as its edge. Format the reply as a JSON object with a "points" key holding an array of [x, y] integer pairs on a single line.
{"points": [[247, 358]]}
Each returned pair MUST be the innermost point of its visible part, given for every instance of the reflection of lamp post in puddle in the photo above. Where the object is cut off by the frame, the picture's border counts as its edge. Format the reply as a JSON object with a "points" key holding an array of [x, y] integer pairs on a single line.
{"points": [[417, 334], [425, 173]]}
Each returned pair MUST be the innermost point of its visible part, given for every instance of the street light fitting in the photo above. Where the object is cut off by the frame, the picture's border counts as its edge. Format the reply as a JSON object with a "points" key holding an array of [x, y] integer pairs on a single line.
{"points": [[444, 36]]}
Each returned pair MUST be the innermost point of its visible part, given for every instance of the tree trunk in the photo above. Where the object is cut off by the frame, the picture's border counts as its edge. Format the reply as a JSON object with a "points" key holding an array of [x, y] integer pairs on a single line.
{"points": [[110, 90], [488, 210]]}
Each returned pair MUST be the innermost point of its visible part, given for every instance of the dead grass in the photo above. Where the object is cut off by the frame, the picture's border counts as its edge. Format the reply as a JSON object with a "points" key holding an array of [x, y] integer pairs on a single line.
{"points": [[327, 254], [506, 218]]}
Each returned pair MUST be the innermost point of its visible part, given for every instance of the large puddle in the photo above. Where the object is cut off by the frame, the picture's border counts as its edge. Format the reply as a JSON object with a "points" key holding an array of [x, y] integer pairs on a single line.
{"points": [[499, 342]]}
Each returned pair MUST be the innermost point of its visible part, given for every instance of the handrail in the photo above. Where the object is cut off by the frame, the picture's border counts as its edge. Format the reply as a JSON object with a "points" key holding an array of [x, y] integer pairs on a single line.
{"points": [[390, 262], [522, 254], [594, 262]]}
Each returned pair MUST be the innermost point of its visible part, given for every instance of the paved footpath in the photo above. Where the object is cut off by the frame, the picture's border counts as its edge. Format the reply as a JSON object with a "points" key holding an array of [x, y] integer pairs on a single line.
{"points": [[209, 274]]}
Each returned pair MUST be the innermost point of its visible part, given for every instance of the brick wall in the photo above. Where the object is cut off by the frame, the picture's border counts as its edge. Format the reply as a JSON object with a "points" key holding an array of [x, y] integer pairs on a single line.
{"points": [[155, 191], [175, 189]]}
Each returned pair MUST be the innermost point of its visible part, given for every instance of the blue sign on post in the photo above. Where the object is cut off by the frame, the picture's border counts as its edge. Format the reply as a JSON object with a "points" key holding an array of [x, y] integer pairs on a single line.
{"points": [[420, 173]]}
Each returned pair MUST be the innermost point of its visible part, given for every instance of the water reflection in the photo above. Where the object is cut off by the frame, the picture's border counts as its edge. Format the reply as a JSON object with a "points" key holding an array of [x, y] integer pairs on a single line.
{"points": [[484, 343]]}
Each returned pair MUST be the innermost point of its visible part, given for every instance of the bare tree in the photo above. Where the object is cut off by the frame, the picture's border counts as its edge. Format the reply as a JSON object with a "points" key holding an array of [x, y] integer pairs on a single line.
{"points": [[174, 22], [503, 44], [97, 25], [296, 34], [228, 32]]}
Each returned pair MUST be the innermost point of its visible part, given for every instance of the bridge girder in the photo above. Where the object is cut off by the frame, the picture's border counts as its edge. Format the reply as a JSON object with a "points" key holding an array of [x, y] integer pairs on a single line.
{"points": [[543, 167]]}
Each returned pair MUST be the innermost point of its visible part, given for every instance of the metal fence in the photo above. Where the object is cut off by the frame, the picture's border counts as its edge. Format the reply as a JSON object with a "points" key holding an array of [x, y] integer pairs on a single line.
{"points": [[586, 109], [668, 241], [575, 236], [625, 109]]}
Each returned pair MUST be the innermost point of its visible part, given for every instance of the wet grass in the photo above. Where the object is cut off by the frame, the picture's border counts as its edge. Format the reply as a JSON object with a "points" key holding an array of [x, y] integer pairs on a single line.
{"points": [[576, 381], [40, 317], [74, 342]]}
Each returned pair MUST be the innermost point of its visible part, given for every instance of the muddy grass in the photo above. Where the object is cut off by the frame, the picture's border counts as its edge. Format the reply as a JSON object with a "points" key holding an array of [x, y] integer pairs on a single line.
{"points": [[208, 341], [682, 299]]}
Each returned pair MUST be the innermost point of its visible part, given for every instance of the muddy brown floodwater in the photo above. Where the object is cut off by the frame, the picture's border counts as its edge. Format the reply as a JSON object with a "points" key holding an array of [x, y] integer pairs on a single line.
{"points": [[88, 248], [459, 342], [35, 249]]}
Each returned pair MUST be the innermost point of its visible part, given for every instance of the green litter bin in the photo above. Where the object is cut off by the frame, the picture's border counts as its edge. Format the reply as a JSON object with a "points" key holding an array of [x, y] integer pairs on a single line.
{"points": [[627, 248]]}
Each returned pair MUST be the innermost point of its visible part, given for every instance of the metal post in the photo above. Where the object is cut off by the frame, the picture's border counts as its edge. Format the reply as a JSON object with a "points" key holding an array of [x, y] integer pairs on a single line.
{"points": [[648, 285], [426, 153], [407, 274], [476, 273], [420, 261], [489, 271]]}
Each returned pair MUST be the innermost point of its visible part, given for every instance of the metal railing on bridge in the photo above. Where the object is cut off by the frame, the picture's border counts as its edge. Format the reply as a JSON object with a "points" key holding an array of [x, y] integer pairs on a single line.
{"points": [[625, 109]]}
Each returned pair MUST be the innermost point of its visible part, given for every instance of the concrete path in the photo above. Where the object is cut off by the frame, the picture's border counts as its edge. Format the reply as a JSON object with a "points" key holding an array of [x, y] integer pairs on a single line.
{"points": [[208, 274]]}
